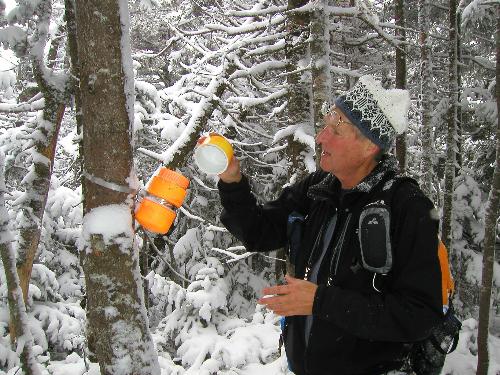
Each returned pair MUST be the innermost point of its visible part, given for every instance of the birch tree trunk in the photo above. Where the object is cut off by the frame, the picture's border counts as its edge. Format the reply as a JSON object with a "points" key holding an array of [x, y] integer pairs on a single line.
{"points": [[17, 307], [117, 319], [491, 222], [425, 96], [451, 139], [400, 76]]}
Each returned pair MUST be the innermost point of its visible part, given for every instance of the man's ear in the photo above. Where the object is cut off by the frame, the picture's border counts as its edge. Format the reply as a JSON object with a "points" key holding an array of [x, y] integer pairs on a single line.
{"points": [[371, 148]]}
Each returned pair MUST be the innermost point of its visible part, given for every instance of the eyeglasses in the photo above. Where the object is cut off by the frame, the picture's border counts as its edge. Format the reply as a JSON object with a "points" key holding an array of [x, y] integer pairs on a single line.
{"points": [[332, 121], [336, 118]]}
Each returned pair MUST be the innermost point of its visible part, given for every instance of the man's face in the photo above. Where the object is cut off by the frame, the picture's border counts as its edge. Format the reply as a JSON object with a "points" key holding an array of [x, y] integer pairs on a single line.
{"points": [[343, 148]]}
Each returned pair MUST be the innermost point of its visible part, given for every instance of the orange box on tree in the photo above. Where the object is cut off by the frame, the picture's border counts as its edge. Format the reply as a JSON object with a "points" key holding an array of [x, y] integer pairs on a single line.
{"points": [[165, 192]]}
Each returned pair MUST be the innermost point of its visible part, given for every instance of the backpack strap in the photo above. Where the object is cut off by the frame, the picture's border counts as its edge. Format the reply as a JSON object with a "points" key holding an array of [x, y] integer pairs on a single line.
{"points": [[391, 187]]}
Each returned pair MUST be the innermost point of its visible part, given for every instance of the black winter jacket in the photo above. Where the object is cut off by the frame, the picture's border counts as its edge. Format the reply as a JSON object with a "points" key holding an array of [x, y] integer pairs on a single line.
{"points": [[356, 329]]}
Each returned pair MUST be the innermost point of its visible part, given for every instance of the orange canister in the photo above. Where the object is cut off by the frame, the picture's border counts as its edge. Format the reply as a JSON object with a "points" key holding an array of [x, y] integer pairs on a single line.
{"points": [[164, 193]]}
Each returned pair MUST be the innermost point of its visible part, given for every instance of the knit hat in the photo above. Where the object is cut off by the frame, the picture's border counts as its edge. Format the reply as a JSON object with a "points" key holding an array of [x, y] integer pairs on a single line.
{"points": [[378, 113]]}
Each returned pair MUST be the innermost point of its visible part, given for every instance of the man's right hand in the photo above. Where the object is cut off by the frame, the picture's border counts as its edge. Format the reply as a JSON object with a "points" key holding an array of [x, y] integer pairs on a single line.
{"points": [[232, 172]]}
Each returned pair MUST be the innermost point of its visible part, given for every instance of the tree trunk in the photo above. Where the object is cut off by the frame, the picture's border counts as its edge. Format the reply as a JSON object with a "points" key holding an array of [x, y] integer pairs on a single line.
{"points": [[425, 96], [451, 139], [45, 134], [70, 18], [458, 22], [17, 307], [37, 189], [491, 222], [299, 103], [299, 89], [117, 319], [400, 77], [320, 64]]}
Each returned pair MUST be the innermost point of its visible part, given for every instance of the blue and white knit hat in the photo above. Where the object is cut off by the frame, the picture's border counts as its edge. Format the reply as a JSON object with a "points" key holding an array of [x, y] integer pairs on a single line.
{"points": [[379, 114]]}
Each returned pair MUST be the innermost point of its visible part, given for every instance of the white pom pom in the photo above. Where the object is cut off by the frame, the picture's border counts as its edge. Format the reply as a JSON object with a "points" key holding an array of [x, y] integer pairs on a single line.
{"points": [[394, 103]]}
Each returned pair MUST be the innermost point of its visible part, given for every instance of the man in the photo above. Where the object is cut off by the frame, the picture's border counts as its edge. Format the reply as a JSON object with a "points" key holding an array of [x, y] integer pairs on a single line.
{"points": [[342, 318]]}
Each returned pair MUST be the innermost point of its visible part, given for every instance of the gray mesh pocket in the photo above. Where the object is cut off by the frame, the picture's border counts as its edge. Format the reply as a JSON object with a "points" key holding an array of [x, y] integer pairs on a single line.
{"points": [[374, 239]]}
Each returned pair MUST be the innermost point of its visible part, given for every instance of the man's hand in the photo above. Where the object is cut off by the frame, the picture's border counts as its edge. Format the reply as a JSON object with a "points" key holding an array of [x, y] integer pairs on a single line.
{"points": [[294, 298], [232, 172]]}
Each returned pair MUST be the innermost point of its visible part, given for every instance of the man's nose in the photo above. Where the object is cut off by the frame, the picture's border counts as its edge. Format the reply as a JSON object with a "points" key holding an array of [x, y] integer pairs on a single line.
{"points": [[319, 136]]}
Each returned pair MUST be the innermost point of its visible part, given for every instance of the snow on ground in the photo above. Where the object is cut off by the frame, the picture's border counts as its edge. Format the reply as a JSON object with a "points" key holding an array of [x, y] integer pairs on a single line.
{"points": [[461, 362]]}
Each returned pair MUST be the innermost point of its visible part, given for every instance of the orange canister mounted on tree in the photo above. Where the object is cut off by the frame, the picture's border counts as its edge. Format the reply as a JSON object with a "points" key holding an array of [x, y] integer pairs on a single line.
{"points": [[164, 193]]}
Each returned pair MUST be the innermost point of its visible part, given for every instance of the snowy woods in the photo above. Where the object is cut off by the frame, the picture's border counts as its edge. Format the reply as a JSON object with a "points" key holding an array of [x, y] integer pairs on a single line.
{"points": [[95, 95]]}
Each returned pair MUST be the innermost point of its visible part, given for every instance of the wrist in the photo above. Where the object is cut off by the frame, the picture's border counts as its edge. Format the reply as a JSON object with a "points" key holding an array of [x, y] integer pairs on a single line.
{"points": [[231, 179]]}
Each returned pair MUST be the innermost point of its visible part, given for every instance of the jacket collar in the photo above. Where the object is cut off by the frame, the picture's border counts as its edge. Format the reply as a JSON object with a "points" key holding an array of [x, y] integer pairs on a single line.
{"points": [[329, 187]]}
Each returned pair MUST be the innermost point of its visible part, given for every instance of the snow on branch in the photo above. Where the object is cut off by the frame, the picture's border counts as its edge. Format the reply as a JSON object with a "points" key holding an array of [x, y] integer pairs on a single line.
{"points": [[345, 71], [477, 10], [482, 62], [199, 115], [151, 154], [22, 107], [234, 257], [217, 229], [343, 11], [371, 20], [249, 28], [23, 11], [12, 36], [252, 102], [7, 79], [361, 11], [279, 37], [258, 69], [257, 13], [278, 46]]}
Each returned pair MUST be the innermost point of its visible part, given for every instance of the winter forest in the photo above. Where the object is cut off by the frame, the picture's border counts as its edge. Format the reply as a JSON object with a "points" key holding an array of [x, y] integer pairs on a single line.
{"points": [[95, 95]]}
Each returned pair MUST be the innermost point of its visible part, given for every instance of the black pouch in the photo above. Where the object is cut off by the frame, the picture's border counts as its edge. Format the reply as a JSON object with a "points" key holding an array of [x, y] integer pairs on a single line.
{"points": [[374, 238], [427, 356]]}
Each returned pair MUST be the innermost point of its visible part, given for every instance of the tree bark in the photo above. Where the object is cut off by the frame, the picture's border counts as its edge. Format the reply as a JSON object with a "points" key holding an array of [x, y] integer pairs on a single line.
{"points": [[17, 308], [299, 102], [425, 96], [117, 319], [299, 89], [491, 222], [451, 139], [320, 65], [38, 189], [400, 77], [458, 21], [45, 137]]}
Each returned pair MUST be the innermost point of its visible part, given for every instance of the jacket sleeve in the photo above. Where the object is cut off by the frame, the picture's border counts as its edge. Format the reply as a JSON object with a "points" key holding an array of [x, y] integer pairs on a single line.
{"points": [[411, 304], [262, 227]]}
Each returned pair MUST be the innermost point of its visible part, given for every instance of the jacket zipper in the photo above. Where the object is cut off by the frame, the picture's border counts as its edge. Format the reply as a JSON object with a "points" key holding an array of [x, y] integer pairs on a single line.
{"points": [[315, 247], [338, 251]]}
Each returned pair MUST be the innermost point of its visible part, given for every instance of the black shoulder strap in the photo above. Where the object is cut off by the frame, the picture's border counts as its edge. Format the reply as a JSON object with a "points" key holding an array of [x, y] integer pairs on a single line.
{"points": [[392, 185]]}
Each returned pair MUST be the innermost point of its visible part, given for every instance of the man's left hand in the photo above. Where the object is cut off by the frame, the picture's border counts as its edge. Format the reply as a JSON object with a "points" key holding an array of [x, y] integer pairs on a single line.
{"points": [[294, 298]]}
